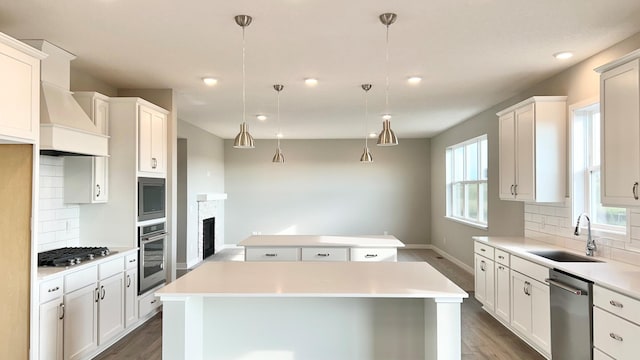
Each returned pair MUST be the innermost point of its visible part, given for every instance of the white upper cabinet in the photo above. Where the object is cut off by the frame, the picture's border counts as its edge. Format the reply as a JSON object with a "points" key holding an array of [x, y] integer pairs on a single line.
{"points": [[87, 177], [532, 150], [620, 131], [152, 142], [19, 91]]}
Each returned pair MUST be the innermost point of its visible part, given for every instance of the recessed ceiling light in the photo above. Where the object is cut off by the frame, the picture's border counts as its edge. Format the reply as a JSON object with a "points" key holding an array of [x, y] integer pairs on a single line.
{"points": [[372, 135], [386, 117], [261, 117], [414, 80], [311, 81], [563, 55], [279, 135], [209, 81]]}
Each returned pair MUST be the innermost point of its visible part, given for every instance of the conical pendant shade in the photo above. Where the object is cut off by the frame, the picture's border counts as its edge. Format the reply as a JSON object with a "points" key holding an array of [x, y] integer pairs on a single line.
{"points": [[278, 157], [387, 136], [366, 156], [243, 140]]}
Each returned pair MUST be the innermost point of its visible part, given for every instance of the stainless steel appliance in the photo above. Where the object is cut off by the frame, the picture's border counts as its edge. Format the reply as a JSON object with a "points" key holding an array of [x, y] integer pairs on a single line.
{"points": [[151, 198], [571, 316], [152, 242]]}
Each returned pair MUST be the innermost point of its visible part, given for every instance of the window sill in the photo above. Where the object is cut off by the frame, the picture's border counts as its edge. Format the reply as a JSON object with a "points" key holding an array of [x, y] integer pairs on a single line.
{"points": [[468, 223]]}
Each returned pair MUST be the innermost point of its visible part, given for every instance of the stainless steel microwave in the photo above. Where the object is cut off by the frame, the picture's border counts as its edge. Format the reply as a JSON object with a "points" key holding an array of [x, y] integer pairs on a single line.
{"points": [[151, 198]]}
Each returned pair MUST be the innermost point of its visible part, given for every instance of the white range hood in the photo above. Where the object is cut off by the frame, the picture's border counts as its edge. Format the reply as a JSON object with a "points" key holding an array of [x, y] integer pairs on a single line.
{"points": [[65, 129]]}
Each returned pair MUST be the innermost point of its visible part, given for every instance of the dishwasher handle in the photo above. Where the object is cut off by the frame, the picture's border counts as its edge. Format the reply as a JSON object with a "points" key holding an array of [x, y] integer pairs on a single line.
{"points": [[566, 287]]}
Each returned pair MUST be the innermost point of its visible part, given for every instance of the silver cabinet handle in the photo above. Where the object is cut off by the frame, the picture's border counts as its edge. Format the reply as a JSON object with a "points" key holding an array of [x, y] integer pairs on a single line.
{"points": [[54, 289], [132, 260], [271, 255], [512, 193], [323, 254], [128, 281], [154, 301], [527, 288], [566, 287], [500, 267], [515, 190], [104, 292], [97, 294], [482, 265], [635, 190], [154, 163], [98, 190], [501, 257], [61, 306], [615, 336], [371, 255], [616, 304], [483, 250]]}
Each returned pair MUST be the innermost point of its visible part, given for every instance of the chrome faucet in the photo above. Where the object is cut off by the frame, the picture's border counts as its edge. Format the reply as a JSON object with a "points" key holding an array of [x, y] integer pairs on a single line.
{"points": [[591, 243]]}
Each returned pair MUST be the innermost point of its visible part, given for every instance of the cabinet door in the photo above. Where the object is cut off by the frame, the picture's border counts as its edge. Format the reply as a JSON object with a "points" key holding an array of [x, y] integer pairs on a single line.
{"points": [[541, 315], [144, 140], [111, 308], [101, 164], [50, 326], [520, 303], [507, 150], [130, 298], [503, 293], [19, 94], [81, 322], [620, 134], [484, 282], [525, 153], [152, 141]]}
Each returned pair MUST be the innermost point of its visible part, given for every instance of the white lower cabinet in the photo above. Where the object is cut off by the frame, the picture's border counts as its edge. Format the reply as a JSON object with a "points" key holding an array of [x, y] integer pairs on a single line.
{"points": [[530, 310], [130, 298], [503, 293], [615, 324], [324, 254], [147, 303], [374, 254], [272, 254], [51, 321], [81, 322], [111, 308], [599, 355], [484, 282]]}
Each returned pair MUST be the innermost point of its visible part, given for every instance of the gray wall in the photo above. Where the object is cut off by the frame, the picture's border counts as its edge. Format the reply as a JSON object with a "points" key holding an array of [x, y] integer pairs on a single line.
{"points": [[579, 83], [324, 189], [205, 173]]}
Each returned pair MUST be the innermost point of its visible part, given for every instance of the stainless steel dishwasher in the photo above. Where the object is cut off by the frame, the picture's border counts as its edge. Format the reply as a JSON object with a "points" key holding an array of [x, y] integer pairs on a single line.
{"points": [[571, 316]]}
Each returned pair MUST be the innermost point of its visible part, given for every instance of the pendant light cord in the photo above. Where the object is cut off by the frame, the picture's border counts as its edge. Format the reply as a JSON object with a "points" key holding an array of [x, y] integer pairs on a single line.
{"points": [[387, 71], [366, 115], [244, 92], [278, 120]]}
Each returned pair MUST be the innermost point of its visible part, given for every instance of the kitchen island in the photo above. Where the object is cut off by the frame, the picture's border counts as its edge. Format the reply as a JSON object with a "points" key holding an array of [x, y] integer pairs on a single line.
{"points": [[312, 310]]}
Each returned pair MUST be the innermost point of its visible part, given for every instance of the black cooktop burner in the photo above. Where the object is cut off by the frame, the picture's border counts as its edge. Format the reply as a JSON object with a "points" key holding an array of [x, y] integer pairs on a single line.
{"points": [[70, 255]]}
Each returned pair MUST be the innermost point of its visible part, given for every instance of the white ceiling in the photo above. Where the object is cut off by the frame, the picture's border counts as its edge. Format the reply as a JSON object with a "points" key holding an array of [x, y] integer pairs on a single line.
{"points": [[472, 54]]}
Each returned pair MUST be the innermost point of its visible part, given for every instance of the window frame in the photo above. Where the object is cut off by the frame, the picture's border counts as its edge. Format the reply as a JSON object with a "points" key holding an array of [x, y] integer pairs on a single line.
{"points": [[450, 183]]}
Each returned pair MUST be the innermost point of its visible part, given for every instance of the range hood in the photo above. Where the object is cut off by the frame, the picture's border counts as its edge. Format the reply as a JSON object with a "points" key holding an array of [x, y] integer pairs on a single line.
{"points": [[65, 129]]}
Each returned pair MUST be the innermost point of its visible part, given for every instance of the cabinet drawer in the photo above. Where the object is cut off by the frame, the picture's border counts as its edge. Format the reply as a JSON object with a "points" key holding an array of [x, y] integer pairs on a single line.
{"points": [[599, 355], [272, 254], [148, 303], [325, 254], [111, 267], [51, 289], [532, 270], [374, 254], [131, 261], [80, 279], [502, 257], [483, 249], [615, 336], [618, 304]]}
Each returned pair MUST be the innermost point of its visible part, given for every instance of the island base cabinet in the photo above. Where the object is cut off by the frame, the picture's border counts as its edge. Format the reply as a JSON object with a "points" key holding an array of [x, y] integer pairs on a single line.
{"points": [[51, 327], [530, 310], [80, 322]]}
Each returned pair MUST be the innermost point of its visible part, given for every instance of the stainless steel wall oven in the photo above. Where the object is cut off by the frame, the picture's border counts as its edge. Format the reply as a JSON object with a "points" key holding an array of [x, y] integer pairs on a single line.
{"points": [[152, 244]]}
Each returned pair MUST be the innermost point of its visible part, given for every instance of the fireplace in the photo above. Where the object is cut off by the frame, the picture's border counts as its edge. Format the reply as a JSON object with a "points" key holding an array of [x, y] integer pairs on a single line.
{"points": [[208, 236]]}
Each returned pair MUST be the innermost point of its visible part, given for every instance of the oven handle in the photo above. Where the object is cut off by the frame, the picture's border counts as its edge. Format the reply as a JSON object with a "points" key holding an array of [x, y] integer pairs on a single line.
{"points": [[145, 240], [566, 287]]}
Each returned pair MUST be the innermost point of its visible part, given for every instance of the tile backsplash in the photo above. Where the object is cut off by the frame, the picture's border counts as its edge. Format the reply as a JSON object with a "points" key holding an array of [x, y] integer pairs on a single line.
{"points": [[59, 223], [554, 224]]}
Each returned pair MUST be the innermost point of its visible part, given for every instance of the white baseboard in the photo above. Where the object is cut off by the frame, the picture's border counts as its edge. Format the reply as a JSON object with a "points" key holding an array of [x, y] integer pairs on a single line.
{"points": [[181, 266], [232, 246], [417, 246], [454, 260]]}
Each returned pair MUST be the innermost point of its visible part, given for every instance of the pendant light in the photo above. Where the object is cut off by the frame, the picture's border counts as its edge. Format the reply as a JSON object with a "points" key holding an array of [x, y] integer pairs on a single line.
{"points": [[279, 156], [387, 137], [366, 154], [243, 140]]}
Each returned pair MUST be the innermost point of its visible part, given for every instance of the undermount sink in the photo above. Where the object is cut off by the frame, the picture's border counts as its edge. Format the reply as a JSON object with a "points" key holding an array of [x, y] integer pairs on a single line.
{"points": [[562, 256]]}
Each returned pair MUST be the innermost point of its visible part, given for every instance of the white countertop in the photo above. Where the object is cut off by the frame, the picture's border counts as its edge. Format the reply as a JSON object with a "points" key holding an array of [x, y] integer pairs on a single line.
{"points": [[313, 279], [378, 241], [617, 276], [45, 272]]}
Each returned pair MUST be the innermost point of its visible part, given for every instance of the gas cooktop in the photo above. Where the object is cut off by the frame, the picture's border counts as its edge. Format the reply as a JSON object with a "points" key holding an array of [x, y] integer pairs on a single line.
{"points": [[70, 255]]}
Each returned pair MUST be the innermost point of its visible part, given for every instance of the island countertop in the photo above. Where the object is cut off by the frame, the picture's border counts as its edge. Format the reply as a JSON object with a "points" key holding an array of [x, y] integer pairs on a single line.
{"points": [[376, 241], [313, 279]]}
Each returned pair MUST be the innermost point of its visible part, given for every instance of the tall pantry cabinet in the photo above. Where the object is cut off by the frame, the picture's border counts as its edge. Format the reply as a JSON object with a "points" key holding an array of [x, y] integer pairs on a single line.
{"points": [[19, 162]]}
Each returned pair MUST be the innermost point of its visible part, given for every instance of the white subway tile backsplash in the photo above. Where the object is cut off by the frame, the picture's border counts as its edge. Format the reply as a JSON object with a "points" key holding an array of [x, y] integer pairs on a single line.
{"points": [[59, 223]]}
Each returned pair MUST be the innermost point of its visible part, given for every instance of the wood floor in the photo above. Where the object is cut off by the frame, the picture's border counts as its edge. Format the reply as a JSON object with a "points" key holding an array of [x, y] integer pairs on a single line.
{"points": [[483, 337]]}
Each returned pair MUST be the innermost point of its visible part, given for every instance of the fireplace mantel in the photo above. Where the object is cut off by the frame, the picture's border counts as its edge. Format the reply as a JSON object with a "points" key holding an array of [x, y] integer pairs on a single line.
{"points": [[211, 197]]}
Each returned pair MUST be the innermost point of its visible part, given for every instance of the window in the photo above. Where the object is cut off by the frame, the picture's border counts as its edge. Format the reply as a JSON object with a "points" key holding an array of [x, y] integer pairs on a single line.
{"points": [[586, 173], [466, 178]]}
